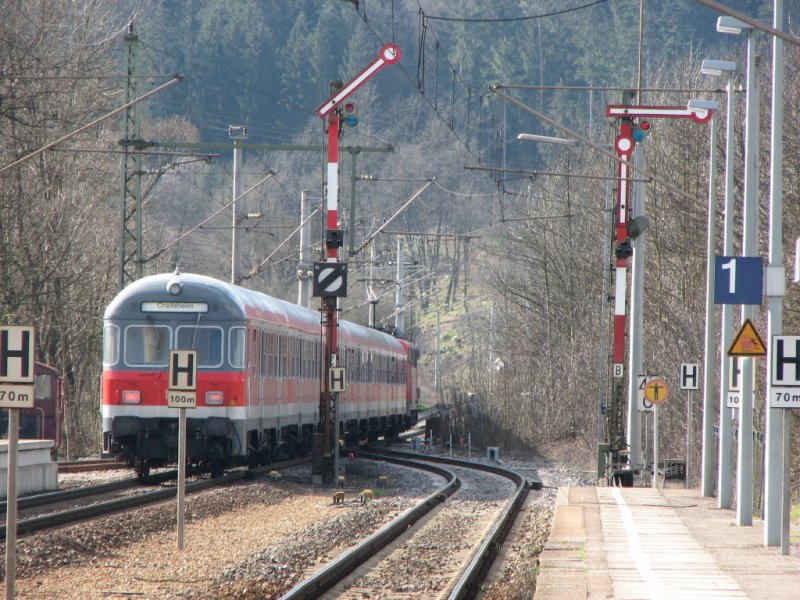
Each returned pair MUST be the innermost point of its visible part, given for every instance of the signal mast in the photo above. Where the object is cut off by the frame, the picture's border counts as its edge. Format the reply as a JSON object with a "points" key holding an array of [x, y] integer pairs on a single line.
{"points": [[330, 276]]}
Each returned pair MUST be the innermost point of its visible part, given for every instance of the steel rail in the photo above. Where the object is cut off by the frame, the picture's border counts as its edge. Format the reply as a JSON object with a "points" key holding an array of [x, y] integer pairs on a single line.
{"points": [[57, 496], [343, 566], [471, 579], [469, 583]]}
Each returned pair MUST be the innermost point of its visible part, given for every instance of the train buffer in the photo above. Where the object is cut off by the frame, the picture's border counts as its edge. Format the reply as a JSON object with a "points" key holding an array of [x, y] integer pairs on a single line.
{"points": [[624, 543]]}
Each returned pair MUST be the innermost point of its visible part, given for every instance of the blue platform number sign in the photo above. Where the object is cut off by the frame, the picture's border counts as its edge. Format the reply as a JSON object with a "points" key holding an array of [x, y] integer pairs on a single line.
{"points": [[738, 279]]}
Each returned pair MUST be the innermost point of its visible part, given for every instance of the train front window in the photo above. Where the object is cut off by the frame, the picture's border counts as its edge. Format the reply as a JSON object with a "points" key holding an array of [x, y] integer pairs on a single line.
{"points": [[206, 340], [110, 345], [147, 345]]}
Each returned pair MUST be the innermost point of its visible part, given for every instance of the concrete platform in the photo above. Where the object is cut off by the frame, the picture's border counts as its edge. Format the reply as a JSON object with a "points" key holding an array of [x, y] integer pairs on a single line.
{"points": [[642, 543], [36, 471]]}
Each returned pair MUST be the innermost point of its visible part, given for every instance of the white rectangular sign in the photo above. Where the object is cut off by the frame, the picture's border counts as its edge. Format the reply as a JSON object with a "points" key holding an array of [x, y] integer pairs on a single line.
{"points": [[16, 354], [181, 399], [182, 385], [336, 381], [16, 396], [785, 372], [690, 376], [641, 403], [16, 366], [734, 398], [175, 307]]}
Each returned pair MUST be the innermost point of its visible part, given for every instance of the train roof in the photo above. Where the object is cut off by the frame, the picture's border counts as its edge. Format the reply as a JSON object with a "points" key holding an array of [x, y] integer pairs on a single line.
{"points": [[227, 301]]}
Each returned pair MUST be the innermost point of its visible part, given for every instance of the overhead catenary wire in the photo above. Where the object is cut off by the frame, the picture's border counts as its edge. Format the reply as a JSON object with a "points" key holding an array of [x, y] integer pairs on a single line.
{"points": [[255, 271], [514, 19], [206, 220], [598, 147], [98, 121], [392, 218]]}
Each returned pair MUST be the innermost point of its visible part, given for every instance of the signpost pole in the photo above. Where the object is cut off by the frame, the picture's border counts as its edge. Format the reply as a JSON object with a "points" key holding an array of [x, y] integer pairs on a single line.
{"points": [[655, 446], [11, 504], [181, 473], [182, 394], [688, 438], [16, 382]]}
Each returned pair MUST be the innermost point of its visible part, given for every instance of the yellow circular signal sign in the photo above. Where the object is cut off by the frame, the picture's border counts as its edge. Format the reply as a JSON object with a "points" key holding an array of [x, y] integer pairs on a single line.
{"points": [[656, 391]]}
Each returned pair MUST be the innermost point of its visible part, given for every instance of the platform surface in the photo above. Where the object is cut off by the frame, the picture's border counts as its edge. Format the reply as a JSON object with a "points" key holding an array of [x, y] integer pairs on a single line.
{"points": [[643, 543]]}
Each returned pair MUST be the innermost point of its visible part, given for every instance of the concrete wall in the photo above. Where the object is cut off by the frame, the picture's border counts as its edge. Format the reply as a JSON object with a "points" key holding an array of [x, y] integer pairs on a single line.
{"points": [[36, 472]]}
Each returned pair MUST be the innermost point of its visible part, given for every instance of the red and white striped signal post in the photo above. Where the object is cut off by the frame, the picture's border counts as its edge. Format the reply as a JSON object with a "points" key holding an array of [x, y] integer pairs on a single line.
{"points": [[633, 127], [334, 287]]}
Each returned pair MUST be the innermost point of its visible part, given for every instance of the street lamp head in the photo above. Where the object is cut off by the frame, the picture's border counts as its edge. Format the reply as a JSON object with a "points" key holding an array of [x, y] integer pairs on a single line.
{"points": [[532, 137], [717, 67], [702, 105], [731, 25]]}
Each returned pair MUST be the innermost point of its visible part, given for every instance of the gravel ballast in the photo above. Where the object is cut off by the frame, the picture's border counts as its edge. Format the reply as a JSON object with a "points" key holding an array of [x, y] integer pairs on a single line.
{"points": [[253, 540]]}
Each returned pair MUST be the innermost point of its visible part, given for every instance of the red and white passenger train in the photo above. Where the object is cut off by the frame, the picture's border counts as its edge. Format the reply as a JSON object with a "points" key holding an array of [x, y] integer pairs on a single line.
{"points": [[260, 362]]}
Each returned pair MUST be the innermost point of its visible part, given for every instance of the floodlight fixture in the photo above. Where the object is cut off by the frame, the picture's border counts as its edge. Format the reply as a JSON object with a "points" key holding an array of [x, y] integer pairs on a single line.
{"points": [[717, 67], [731, 25], [703, 105], [532, 137]]}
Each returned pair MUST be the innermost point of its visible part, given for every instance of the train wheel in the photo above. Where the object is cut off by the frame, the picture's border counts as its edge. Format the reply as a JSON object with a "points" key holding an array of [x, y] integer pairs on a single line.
{"points": [[252, 459], [217, 469], [142, 470]]}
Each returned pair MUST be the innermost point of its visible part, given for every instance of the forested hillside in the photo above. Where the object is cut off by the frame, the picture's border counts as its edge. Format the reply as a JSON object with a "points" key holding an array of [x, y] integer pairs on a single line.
{"points": [[508, 249]]}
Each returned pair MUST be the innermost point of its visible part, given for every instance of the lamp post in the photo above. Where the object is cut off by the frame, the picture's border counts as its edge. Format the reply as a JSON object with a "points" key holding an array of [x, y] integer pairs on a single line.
{"points": [[744, 483], [238, 134], [707, 462], [719, 67], [778, 427]]}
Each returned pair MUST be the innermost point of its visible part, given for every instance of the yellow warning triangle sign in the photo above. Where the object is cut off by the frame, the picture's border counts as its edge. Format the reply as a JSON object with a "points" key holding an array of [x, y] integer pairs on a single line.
{"points": [[747, 342]]}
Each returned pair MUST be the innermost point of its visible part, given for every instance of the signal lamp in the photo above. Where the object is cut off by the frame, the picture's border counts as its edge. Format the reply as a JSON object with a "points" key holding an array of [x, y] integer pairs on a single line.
{"points": [[640, 130], [350, 111], [624, 249]]}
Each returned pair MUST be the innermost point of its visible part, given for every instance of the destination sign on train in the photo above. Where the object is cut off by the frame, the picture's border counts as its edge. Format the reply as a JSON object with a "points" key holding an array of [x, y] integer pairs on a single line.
{"points": [[175, 307]]}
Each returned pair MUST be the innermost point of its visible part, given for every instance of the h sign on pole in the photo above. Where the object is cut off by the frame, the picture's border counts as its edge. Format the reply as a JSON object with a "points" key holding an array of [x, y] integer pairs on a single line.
{"points": [[16, 366], [734, 383], [690, 376], [785, 376], [182, 389]]}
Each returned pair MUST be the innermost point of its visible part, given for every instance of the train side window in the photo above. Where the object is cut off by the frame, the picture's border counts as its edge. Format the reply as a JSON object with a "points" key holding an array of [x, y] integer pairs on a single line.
{"points": [[264, 354], [282, 352], [273, 356], [236, 346], [206, 340], [147, 345], [43, 386], [110, 345], [294, 355]]}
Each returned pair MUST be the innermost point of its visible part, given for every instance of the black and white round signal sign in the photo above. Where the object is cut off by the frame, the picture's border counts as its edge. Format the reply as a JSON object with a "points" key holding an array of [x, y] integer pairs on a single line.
{"points": [[330, 280]]}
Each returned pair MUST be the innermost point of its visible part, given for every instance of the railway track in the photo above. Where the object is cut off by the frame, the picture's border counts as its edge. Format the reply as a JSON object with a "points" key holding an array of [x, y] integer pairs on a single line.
{"points": [[348, 576], [100, 464], [50, 519]]}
